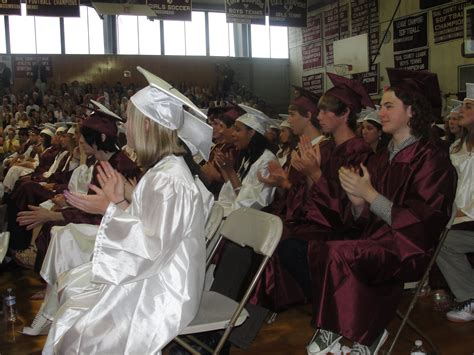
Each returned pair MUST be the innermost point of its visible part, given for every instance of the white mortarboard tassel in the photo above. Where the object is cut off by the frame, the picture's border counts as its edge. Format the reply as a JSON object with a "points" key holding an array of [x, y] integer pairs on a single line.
{"points": [[469, 92], [164, 104], [254, 119], [371, 115]]}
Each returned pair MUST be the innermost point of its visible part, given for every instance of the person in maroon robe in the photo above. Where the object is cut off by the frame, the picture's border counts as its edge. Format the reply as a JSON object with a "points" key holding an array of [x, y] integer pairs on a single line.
{"points": [[404, 199], [99, 138], [223, 122], [316, 202]]}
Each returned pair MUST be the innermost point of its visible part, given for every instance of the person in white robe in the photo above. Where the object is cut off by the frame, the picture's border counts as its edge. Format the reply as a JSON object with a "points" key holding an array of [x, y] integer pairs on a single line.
{"points": [[242, 187], [145, 279]]}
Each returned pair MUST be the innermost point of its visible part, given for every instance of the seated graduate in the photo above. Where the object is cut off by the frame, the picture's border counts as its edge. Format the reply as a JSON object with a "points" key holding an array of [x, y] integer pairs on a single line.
{"points": [[98, 137], [371, 130], [409, 189], [242, 188], [451, 124], [452, 259], [288, 141], [149, 255]]}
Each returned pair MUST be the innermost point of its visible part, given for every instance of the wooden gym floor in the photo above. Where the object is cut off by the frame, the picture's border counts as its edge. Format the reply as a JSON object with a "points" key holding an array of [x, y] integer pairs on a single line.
{"points": [[287, 335]]}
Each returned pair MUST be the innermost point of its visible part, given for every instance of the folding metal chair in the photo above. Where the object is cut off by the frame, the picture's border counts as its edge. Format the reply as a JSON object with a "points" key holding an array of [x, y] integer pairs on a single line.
{"points": [[212, 226], [245, 227], [405, 318]]}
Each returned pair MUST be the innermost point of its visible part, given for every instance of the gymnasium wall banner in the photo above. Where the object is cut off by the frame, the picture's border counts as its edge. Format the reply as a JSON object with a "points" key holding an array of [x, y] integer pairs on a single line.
{"points": [[334, 26], [314, 83], [413, 60], [448, 22], [370, 80], [329, 50], [289, 13], [53, 8], [360, 19], [312, 54], [25, 64], [245, 11], [313, 32], [10, 7], [179, 10], [410, 33]]}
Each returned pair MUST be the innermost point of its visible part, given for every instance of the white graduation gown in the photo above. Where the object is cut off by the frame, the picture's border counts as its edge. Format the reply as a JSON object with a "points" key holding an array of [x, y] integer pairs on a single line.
{"points": [[73, 244], [463, 161], [145, 280], [252, 193]]}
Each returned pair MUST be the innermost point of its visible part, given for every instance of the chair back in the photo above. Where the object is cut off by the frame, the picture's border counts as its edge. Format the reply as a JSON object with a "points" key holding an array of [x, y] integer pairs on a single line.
{"points": [[214, 221], [253, 228]]}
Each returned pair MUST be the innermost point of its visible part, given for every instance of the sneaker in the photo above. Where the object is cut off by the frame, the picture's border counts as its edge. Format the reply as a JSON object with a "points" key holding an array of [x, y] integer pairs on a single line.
{"points": [[40, 326], [322, 342], [27, 257], [464, 312], [359, 349]]}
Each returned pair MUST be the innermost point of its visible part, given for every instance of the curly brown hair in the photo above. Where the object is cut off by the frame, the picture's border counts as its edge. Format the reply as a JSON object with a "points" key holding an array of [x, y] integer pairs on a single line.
{"points": [[422, 113]]}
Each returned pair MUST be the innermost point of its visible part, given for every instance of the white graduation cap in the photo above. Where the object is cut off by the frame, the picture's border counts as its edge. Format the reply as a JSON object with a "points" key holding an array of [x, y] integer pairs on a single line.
{"points": [[162, 103], [47, 131], [455, 106], [274, 123], [254, 119], [71, 130], [286, 124], [101, 108], [61, 129], [469, 92], [50, 126], [370, 115], [283, 116]]}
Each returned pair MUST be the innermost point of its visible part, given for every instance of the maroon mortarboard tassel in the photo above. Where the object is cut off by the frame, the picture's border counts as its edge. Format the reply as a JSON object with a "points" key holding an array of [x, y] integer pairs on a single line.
{"points": [[422, 83], [349, 91]]}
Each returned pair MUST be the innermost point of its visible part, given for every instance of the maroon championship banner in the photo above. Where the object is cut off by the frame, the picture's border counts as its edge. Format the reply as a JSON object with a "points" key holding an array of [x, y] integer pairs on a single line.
{"points": [[448, 22], [410, 33], [313, 31], [332, 21], [245, 11], [179, 10], [23, 65], [374, 41], [314, 83], [360, 10], [10, 7], [312, 54], [53, 8], [414, 60], [370, 80], [289, 13], [329, 50]]}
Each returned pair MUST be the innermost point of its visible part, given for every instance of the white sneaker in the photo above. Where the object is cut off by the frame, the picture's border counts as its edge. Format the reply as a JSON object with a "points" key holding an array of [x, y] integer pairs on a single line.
{"points": [[464, 312], [322, 342], [40, 326]]}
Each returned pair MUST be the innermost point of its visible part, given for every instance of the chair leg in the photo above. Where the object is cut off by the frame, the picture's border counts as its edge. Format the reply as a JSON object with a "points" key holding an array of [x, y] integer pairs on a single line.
{"points": [[186, 346]]}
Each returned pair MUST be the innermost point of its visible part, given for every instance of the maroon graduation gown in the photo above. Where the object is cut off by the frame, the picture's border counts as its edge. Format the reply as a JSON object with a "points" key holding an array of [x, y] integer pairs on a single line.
{"points": [[120, 162], [357, 284], [314, 214]]}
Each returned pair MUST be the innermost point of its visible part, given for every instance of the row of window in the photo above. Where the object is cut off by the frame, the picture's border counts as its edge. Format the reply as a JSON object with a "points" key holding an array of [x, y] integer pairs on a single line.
{"points": [[138, 35]]}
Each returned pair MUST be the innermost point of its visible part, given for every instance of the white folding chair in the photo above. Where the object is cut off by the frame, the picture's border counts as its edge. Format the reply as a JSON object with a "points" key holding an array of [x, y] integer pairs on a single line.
{"points": [[405, 317], [245, 227], [212, 226]]}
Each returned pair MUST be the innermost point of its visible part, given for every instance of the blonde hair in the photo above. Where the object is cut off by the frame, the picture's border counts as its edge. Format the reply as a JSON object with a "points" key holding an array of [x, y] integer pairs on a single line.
{"points": [[153, 144]]}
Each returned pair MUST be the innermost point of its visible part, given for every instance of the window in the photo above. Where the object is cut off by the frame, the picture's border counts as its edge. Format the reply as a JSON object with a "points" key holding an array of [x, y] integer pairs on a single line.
{"points": [[269, 41], [127, 34], [85, 34], [186, 37], [48, 35], [196, 34], [174, 37], [3, 43], [22, 33], [149, 39], [221, 35]]}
